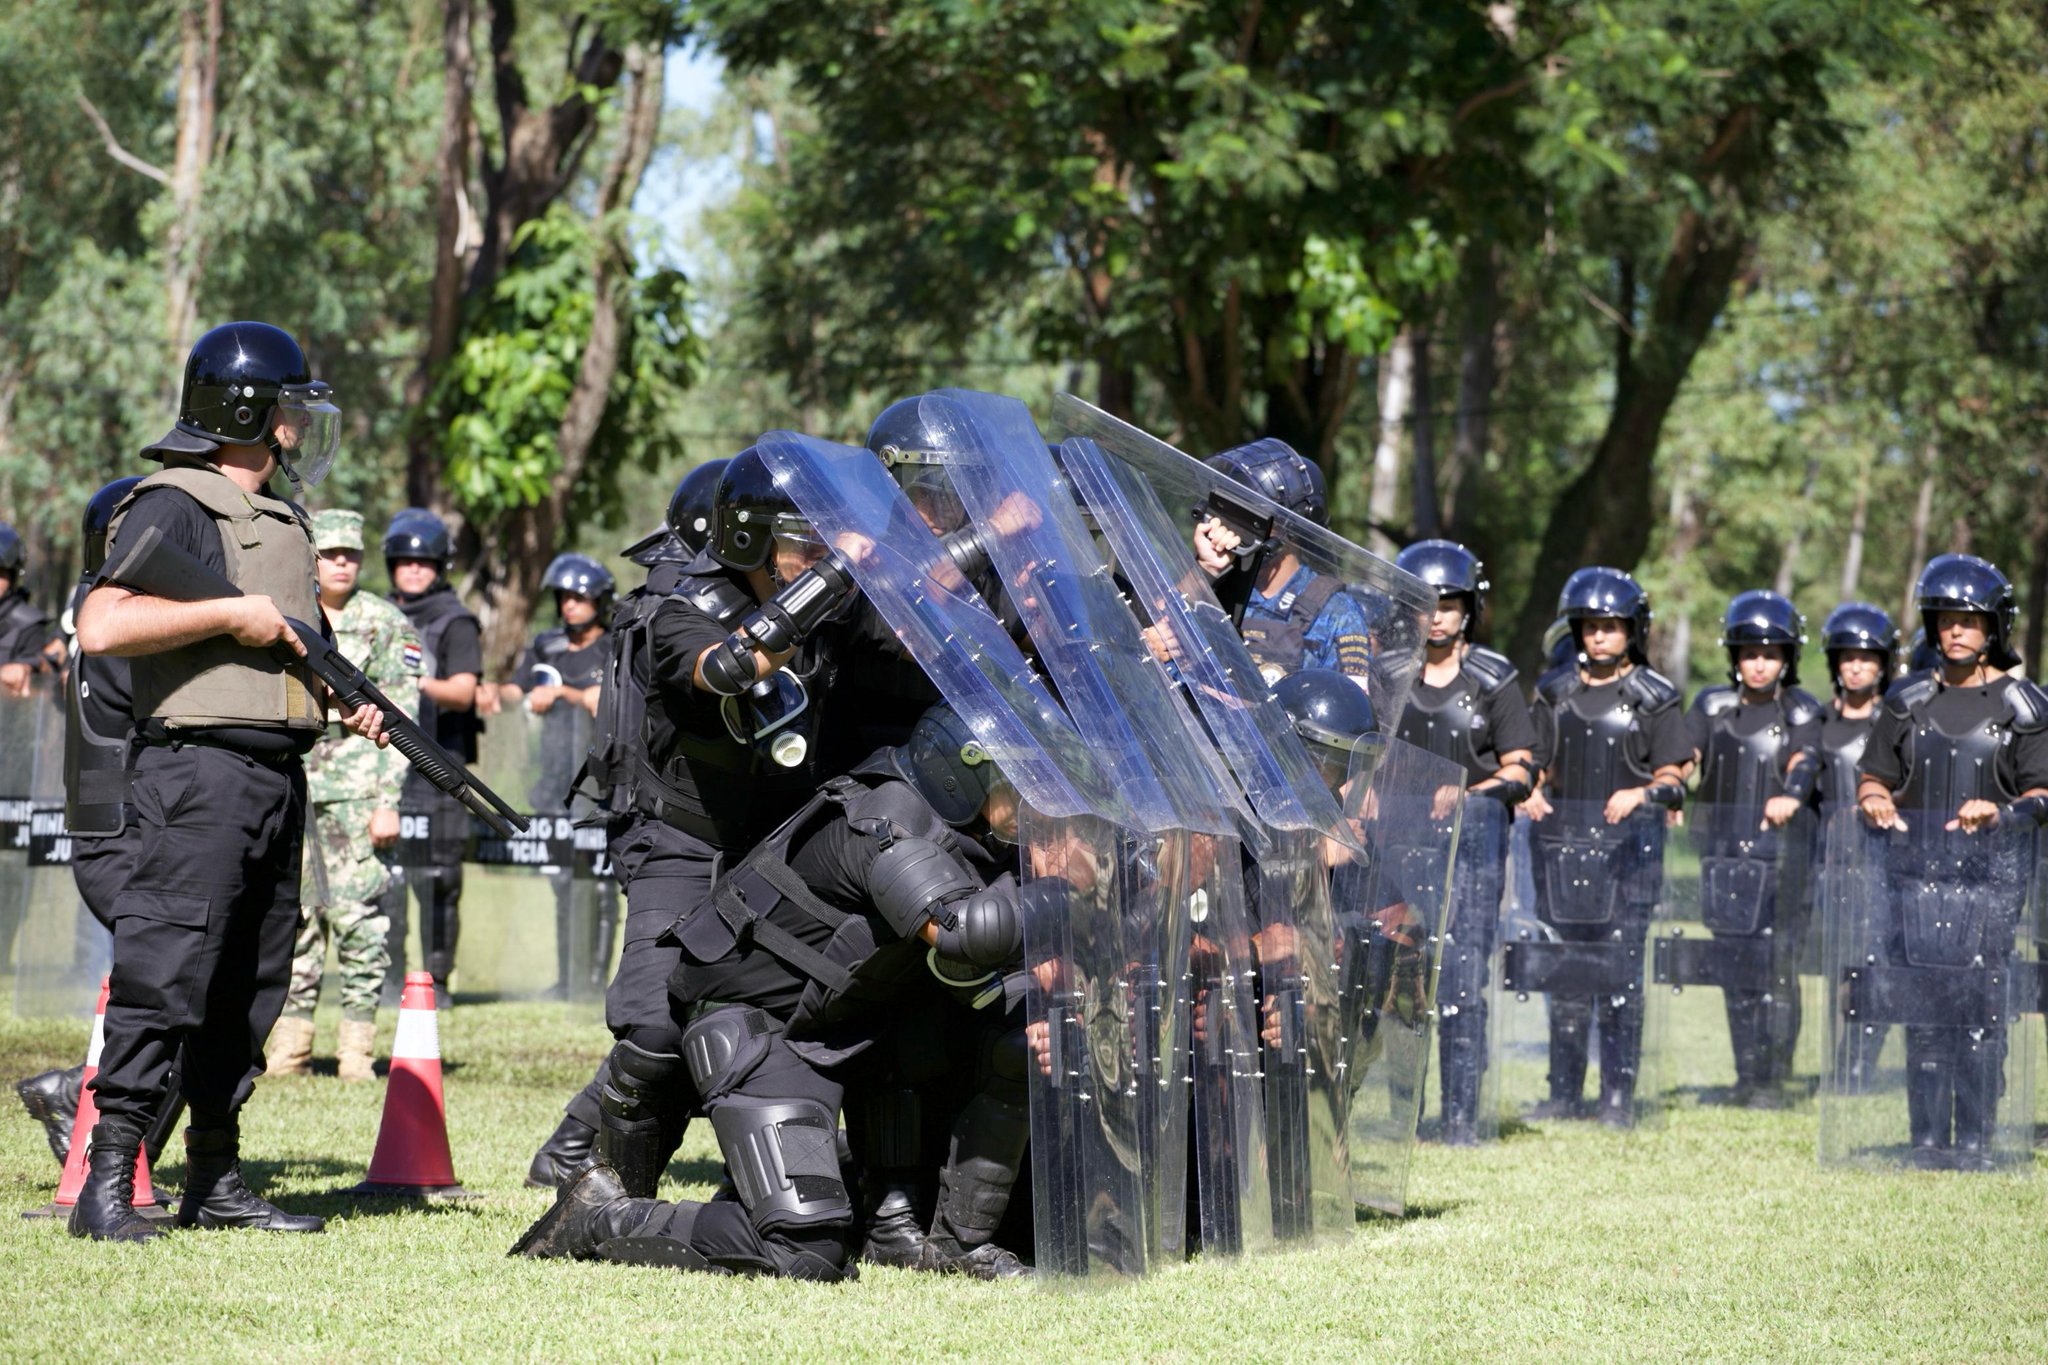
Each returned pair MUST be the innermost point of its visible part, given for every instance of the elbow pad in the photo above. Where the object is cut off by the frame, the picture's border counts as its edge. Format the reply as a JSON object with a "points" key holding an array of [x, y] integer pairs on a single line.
{"points": [[728, 667], [2028, 809], [1509, 791], [910, 883], [787, 619], [983, 931], [1669, 795]]}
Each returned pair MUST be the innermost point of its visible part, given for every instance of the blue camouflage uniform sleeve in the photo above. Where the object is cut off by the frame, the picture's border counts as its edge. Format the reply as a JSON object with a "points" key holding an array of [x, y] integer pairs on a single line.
{"points": [[1339, 637]]}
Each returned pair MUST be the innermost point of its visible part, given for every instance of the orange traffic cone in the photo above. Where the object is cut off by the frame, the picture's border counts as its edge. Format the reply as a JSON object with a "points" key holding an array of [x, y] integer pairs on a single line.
{"points": [[412, 1155], [73, 1179]]}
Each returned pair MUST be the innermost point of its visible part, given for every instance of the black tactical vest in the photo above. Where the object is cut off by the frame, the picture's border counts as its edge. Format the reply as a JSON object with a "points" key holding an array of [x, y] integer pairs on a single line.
{"points": [[431, 613], [99, 738], [1277, 635], [1743, 770], [1944, 770], [1597, 754], [22, 628], [1842, 743], [1456, 725]]}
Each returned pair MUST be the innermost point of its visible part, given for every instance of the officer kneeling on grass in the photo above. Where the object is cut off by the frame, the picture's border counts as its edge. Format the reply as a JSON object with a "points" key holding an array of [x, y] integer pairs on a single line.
{"points": [[856, 949], [203, 930]]}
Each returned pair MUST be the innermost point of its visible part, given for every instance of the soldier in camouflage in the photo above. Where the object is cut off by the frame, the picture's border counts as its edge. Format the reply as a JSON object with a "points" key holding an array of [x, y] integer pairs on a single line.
{"points": [[352, 790]]}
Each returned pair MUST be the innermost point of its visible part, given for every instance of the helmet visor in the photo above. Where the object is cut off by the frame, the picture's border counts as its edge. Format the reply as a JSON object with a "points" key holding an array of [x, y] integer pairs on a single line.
{"points": [[307, 426], [1346, 762], [931, 493], [797, 545]]}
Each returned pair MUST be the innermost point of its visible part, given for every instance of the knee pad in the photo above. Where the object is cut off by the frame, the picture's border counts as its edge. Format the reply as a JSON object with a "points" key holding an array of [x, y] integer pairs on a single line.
{"points": [[724, 1046], [783, 1156], [640, 1085]]}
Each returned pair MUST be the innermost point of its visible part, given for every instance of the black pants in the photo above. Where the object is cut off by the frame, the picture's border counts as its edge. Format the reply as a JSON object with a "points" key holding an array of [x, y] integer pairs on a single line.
{"points": [[203, 929]]}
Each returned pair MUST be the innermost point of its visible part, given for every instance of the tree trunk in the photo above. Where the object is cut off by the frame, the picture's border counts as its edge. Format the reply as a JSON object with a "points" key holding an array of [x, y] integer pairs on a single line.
{"points": [[1476, 374], [1923, 513], [1788, 562], [453, 242], [1424, 518], [1675, 654], [2037, 574], [199, 27], [527, 539], [1859, 518], [1397, 386]]}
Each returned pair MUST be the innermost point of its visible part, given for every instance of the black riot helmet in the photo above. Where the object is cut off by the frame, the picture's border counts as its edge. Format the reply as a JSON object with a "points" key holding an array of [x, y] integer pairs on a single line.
{"points": [[749, 510], [1337, 723], [1858, 625], [916, 439], [1601, 591], [1967, 583], [1277, 470], [1762, 617], [13, 556], [584, 576], [1452, 570], [416, 533], [949, 767], [99, 515], [242, 381], [1921, 654], [690, 509], [1560, 646]]}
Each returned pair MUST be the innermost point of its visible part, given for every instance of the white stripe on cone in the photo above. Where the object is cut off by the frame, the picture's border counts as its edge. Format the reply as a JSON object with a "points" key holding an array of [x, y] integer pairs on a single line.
{"points": [[418, 1038], [99, 1036]]}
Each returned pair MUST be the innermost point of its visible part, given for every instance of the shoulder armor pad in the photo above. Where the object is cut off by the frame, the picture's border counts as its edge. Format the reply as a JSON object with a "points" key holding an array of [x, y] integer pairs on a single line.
{"points": [[892, 809], [1558, 683], [2029, 705], [1493, 671], [719, 598], [1717, 701], [1802, 707], [1651, 690], [550, 643], [1909, 692]]}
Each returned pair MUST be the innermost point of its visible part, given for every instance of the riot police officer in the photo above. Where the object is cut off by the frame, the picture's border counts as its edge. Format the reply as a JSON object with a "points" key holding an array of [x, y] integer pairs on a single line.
{"points": [[204, 925], [1756, 740], [29, 643], [1861, 644], [1956, 753], [837, 947], [703, 743], [560, 678], [417, 553], [1611, 751], [1465, 707], [99, 737], [1293, 617]]}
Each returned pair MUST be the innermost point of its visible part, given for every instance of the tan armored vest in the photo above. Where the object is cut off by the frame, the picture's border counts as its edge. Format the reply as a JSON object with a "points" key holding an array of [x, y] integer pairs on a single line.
{"points": [[269, 548]]}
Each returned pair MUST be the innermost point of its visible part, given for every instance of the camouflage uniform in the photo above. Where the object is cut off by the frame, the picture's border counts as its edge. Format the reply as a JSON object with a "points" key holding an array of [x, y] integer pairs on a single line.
{"points": [[347, 778]]}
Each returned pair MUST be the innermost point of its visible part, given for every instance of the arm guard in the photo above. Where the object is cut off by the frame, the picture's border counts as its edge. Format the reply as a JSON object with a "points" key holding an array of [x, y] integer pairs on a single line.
{"points": [[965, 548], [1801, 777], [787, 619], [728, 666], [910, 883], [1509, 791], [1669, 795], [2030, 809]]}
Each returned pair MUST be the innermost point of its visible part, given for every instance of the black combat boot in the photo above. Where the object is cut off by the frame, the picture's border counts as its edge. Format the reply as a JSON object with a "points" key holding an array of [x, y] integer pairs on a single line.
{"points": [[215, 1196], [563, 1156], [1978, 1076], [1930, 1098], [52, 1100], [105, 1210], [1571, 1026], [987, 1148], [593, 1218], [895, 1234]]}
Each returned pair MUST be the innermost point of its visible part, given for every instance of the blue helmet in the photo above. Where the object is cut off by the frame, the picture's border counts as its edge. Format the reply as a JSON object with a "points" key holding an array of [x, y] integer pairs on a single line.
{"points": [[1276, 469], [582, 575], [99, 515], [1858, 625], [1336, 722], [1967, 583], [13, 557], [1601, 591], [1763, 617], [1452, 570], [416, 533]]}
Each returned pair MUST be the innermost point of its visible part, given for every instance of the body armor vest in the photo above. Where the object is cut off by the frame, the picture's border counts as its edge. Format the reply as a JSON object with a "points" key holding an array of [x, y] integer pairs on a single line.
{"points": [[1597, 753], [1743, 763], [98, 767], [1456, 727], [268, 545], [841, 959], [431, 613], [20, 626], [1944, 770], [1841, 749], [1277, 634]]}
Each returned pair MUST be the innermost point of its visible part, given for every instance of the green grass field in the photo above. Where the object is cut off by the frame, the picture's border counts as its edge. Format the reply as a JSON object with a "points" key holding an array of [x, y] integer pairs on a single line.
{"points": [[1716, 1237]]}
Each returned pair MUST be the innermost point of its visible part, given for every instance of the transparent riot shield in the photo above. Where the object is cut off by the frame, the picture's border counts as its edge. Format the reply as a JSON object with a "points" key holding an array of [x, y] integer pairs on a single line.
{"points": [[1389, 606], [1391, 913], [59, 950], [1578, 954], [1737, 901], [1462, 1104], [586, 905], [1234, 1194], [1929, 939]]}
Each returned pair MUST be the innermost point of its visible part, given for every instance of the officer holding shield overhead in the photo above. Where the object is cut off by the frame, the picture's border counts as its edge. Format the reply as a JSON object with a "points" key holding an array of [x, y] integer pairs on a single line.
{"points": [[204, 927], [1466, 708], [1955, 777], [1612, 751]]}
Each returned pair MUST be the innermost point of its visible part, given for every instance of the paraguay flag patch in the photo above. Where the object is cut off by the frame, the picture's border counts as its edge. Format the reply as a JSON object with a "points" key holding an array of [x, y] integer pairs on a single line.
{"points": [[415, 656]]}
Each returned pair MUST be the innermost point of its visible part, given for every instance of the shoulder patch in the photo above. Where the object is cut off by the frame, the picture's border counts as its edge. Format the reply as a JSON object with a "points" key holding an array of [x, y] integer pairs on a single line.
{"points": [[1651, 690], [2029, 706], [1494, 671]]}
